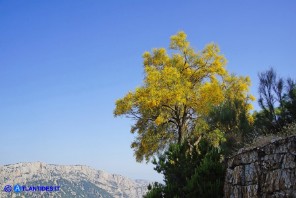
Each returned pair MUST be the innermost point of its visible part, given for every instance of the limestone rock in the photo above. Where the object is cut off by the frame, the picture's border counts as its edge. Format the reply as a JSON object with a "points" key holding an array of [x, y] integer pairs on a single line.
{"points": [[74, 181]]}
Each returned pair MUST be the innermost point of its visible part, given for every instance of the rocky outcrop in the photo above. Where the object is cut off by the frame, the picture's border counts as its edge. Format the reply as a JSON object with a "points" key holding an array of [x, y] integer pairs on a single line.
{"points": [[266, 171], [74, 181]]}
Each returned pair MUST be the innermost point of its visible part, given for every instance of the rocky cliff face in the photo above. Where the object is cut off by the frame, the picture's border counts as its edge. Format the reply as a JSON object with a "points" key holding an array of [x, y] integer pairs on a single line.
{"points": [[74, 181], [267, 171]]}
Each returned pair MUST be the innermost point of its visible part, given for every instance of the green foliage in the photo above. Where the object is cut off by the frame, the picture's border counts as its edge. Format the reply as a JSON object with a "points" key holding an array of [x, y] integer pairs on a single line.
{"points": [[155, 191], [208, 179], [232, 122], [190, 171], [289, 102], [277, 101], [231, 116]]}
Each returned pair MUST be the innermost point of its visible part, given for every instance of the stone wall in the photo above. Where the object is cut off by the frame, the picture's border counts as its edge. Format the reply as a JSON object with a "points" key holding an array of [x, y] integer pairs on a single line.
{"points": [[267, 171]]}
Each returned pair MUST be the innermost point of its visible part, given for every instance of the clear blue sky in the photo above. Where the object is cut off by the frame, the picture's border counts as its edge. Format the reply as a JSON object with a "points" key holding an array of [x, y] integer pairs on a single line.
{"points": [[63, 63]]}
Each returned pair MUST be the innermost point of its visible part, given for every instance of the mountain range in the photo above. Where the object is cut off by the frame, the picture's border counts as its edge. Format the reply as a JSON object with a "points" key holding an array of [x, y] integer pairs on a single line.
{"points": [[38, 179]]}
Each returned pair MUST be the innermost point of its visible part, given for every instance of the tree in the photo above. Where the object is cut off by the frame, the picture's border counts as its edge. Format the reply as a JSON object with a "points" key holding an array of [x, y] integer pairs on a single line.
{"points": [[277, 100], [179, 89], [271, 92], [208, 178], [155, 191], [289, 102], [233, 115], [199, 173]]}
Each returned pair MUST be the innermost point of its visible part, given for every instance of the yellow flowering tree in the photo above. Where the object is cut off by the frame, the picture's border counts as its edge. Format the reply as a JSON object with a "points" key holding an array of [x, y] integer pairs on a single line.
{"points": [[179, 89]]}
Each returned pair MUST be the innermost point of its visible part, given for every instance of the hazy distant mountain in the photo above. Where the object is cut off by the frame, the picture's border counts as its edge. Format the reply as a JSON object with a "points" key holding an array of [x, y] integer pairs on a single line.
{"points": [[74, 181]]}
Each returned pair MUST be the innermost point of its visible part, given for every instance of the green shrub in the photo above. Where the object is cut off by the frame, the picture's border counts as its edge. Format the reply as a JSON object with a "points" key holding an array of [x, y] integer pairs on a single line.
{"points": [[208, 179], [189, 171]]}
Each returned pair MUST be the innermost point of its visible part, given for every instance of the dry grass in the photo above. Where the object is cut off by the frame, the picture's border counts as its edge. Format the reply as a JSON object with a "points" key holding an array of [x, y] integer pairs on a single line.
{"points": [[262, 140]]}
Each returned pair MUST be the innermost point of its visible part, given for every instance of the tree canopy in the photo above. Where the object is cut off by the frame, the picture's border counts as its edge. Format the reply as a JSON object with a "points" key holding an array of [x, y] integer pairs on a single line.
{"points": [[277, 99], [180, 88]]}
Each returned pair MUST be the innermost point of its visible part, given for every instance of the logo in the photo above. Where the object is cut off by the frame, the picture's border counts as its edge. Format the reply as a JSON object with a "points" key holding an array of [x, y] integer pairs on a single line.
{"points": [[17, 188], [7, 188]]}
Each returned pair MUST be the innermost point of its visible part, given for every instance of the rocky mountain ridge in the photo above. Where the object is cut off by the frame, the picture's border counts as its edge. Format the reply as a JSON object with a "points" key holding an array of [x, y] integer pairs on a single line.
{"points": [[74, 181]]}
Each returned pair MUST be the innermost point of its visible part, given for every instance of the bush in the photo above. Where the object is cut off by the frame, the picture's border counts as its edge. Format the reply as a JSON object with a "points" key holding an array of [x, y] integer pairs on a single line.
{"points": [[154, 190], [189, 171], [208, 179]]}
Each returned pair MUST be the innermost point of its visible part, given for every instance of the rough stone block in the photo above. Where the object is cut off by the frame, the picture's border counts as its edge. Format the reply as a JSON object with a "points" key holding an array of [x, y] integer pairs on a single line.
{"points": [[289, 161], [250, 191], [237, 192], [251, 174], [272, 161], [249, 157], [228, 176], [286, 180], [238, 175]]}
